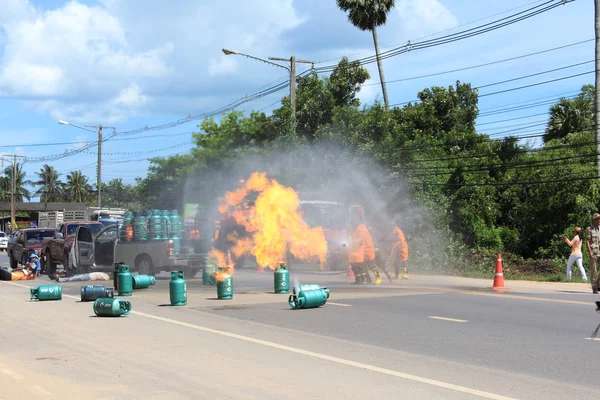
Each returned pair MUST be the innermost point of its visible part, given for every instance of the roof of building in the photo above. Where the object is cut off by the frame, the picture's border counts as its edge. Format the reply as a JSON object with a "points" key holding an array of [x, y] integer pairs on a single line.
{"points": [[42, 206]]}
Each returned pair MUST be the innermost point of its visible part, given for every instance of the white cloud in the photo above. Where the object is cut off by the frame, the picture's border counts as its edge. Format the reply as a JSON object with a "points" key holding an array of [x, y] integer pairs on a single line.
{"points": [[420, 17], [88, 62], [224, 65]]}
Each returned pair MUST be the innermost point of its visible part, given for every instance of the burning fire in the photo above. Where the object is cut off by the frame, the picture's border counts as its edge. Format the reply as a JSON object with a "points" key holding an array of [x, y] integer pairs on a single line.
{"points": [[274, 224]]}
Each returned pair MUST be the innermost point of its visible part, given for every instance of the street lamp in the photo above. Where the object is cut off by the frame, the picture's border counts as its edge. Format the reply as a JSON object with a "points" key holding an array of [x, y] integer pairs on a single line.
{"points": [[292, 70], [99, 132]]}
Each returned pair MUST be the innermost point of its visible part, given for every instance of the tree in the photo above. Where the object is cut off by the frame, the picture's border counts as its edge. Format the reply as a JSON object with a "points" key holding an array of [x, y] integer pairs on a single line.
{"points": [[367, 15], [21, 192], [318, 99], [117, 194], [571, 115], [77, 188], [50, 186]]}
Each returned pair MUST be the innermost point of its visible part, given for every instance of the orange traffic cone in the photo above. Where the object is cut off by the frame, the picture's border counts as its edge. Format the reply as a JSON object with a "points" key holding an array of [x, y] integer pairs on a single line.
{"points": [[350, 273], [499, 276]]}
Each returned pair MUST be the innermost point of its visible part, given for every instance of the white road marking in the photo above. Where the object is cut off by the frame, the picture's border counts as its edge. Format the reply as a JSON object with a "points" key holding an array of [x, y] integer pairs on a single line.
{"points": [[339, 304], [368, 367], [5, 369], [448, 319], [595, 338], [42, 391]]}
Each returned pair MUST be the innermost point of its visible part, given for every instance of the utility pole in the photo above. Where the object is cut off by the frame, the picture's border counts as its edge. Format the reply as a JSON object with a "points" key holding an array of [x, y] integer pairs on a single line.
{"points": [[99, 168], [597, 87], [292, 60]]}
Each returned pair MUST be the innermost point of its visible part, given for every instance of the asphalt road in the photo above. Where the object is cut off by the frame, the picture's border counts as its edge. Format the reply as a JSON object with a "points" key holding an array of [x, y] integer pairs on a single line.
{"points": [[429, 337]]}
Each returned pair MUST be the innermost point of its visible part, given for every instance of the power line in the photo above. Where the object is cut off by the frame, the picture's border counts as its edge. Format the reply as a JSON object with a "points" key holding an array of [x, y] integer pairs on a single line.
{"points": [[497, 24], [482, 65]]}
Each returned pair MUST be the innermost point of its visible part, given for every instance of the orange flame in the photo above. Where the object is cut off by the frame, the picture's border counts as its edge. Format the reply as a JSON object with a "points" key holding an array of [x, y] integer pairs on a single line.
{"points": [[274, 223]]}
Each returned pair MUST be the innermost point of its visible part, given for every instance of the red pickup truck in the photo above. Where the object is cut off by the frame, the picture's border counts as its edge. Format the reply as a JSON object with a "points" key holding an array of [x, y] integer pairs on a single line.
{"points": [[27, 241], [56, 250]]}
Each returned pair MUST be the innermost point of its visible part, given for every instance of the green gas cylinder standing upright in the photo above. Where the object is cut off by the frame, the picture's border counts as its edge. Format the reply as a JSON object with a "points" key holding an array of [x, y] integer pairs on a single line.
{"points": [[140, 231], [124, 281], [208, 272], [156, 226], [224, 284], [127, 223], [174, 224], [178, 289], [282, 279]]}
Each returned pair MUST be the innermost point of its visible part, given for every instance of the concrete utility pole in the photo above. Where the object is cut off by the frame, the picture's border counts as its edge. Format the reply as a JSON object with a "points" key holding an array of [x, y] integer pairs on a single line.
{"points": [[597, 87], [99, 168], [292, 69]]}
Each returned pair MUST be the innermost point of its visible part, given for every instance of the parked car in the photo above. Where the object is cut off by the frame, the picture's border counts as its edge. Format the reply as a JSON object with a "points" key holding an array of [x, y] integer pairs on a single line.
{"points": [[25, 242], [3, 241]]}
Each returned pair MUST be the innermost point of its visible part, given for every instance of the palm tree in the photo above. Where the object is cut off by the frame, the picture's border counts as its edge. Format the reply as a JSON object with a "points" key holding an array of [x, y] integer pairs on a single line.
{"points": [[21, 191], [367, 15], [77, 188], [5, 188], [570, 115], [50, 186]]}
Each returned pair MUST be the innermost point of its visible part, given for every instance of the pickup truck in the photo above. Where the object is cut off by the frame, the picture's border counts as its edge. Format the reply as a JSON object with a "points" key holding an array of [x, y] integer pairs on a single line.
{"points": [[57, 249], [100, 251], [25, 242]]}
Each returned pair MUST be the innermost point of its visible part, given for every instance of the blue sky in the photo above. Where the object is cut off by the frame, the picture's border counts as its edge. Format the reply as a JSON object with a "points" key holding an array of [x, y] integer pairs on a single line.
{"points": [[137, 63]]}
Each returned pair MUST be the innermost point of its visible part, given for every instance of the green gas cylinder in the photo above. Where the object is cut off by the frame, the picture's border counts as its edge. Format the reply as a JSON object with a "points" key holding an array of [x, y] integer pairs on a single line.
{"points": [[156, 226], [224, 284], [208, 272], [174, 230], [116, 275], [93, 292], [281, 279], [308, 298], [178, 289], [143, 281], [47, 292], [124, 281], [127, 223], [111, 307], [140, 230]]}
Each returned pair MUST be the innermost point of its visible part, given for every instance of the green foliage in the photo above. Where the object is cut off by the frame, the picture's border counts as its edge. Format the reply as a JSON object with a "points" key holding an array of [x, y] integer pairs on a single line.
{"points": [[366, 14], [481, 195], [77, 189], [49, 183]]}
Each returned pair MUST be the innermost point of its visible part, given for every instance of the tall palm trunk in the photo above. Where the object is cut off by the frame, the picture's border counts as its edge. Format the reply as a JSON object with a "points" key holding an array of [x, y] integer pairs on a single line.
{"points": [[380, 66]]}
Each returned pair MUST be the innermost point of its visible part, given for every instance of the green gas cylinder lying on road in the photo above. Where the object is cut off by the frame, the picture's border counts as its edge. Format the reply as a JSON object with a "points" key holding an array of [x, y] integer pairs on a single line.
{"points": [[143, 281], [208, 272], [111, 307], [282, 279], [308, 298], [124, 281], [93, 292], [178, 289], [224, 284], [48, 292]]}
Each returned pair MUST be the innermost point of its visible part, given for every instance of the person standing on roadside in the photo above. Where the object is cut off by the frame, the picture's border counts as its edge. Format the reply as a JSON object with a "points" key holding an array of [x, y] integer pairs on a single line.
{"points": [[576, 256], [593, 246]]}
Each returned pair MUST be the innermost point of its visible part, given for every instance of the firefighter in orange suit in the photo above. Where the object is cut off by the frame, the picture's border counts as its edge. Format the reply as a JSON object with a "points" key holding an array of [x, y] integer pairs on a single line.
{"points": [[357, 251], [399, 254]]}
